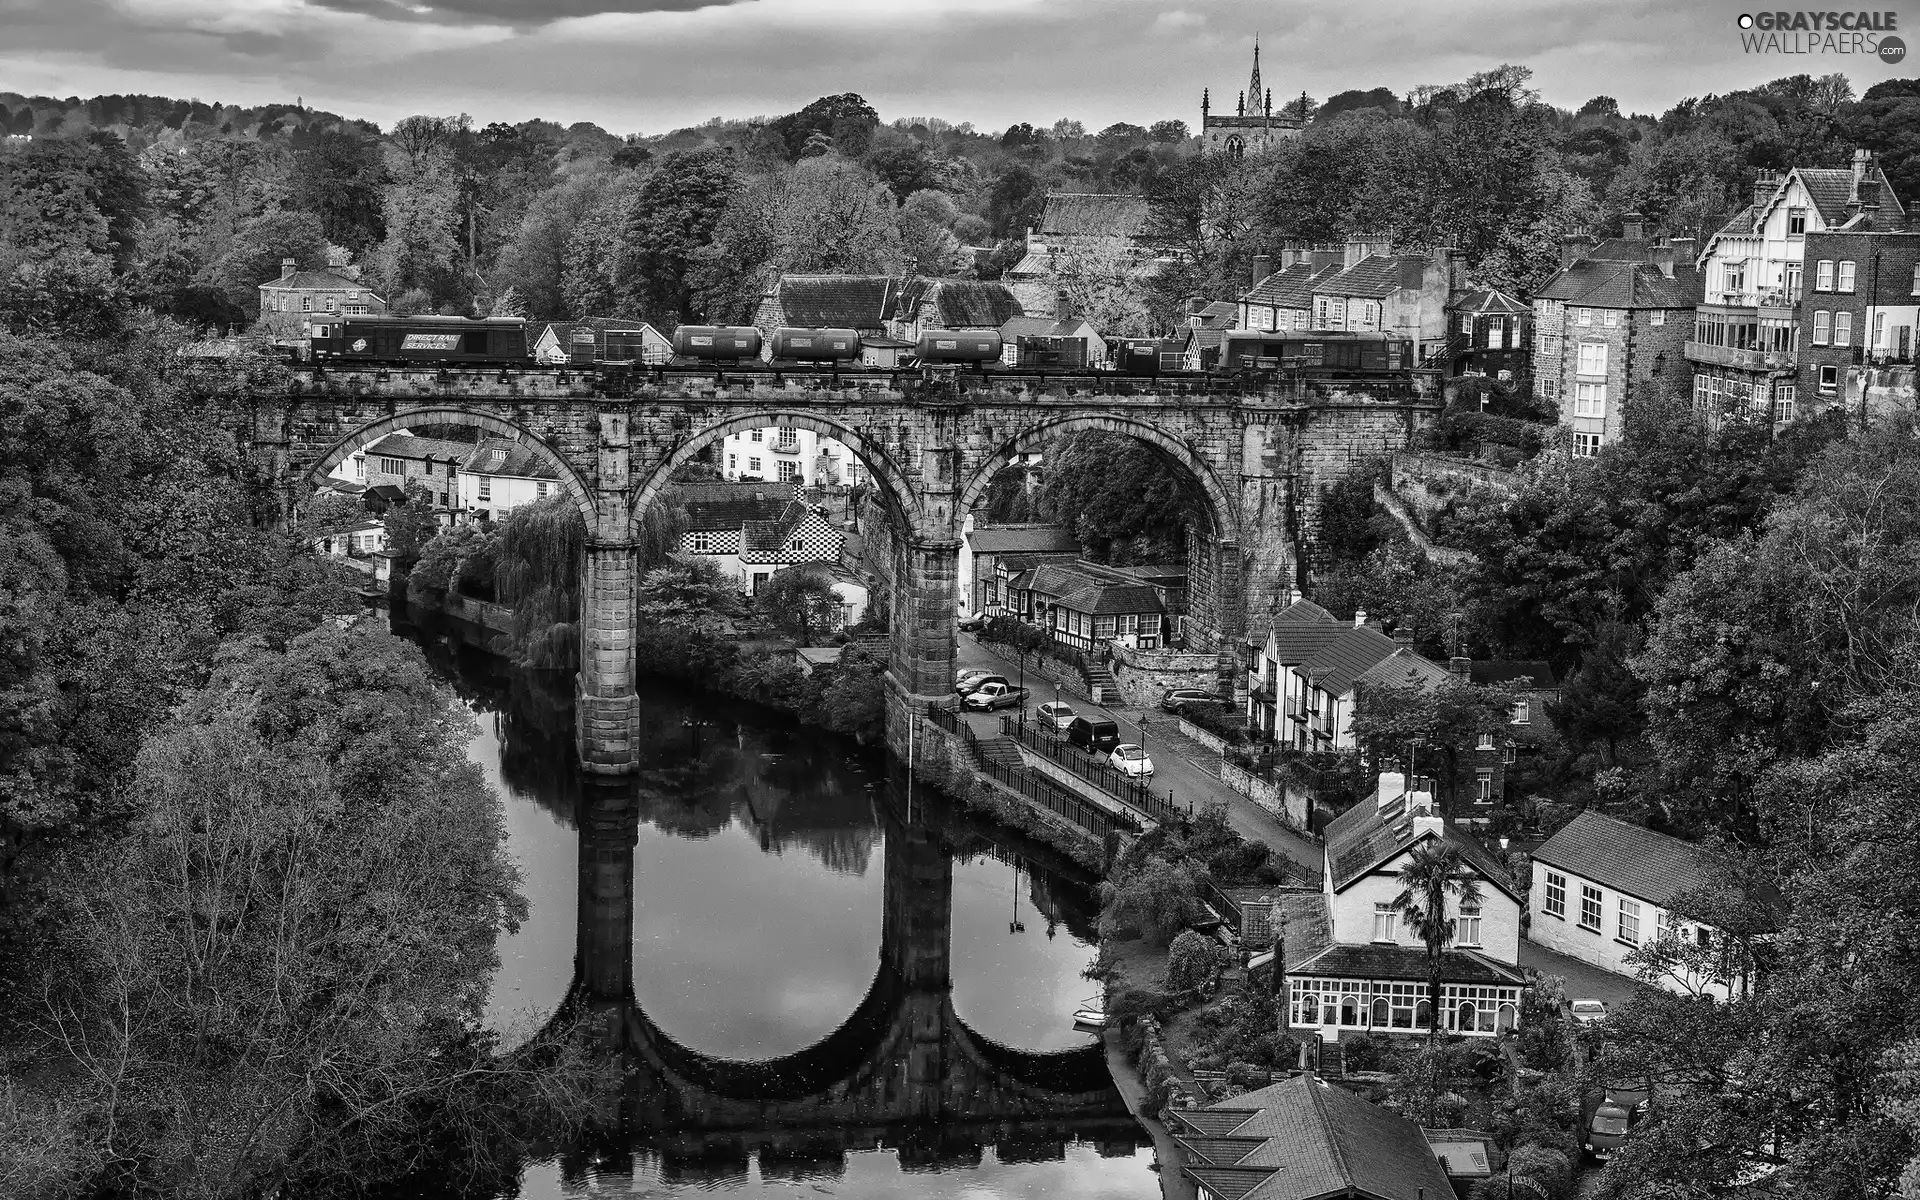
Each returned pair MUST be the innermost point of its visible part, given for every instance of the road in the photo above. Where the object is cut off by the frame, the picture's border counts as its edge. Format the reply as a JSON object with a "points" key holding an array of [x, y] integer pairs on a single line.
{"points": [[1174, 776]]}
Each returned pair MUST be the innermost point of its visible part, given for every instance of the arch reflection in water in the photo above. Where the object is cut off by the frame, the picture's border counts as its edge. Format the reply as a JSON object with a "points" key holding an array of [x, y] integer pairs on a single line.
{"points": [[764, 861]]}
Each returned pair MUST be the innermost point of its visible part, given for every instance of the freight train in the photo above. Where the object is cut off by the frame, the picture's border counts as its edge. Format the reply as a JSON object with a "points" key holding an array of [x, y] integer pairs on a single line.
{"points": [[503, 342]]}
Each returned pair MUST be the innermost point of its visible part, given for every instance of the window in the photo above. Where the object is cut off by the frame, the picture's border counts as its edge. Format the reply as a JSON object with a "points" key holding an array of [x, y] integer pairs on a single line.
{"points": [[1590, 907], [1846, 275], [1662, 925], [1556, 894], [306, 303], [540, 489], [756, 434], [733, 462], [753, 464], [1550, 345], [1593, 358], [1829, 378], [1589, 399], [1610, 317], [1843, 329], [1583, 316], [1783, 398], [1466, 324], [1879, 329], [788, 469], [1822, 326], [1586, 445], [1823, 275], [1916, 279], [1658, 317], [796, 545], [700, 543], [486, 488], [1485, 742], [1509, 755], [355, 310], [392, 466], [1629, 920], [1796, 222], [359, 466], [1483, 787], [1522, 713], [1383, 915]]}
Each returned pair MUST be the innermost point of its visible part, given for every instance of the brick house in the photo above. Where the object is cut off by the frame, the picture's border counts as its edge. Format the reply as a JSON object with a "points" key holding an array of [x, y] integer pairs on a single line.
{"points": [[286, 302], [1489, 333], [1762, 287], [1860, 331], [1616, 316], [400, 458]]}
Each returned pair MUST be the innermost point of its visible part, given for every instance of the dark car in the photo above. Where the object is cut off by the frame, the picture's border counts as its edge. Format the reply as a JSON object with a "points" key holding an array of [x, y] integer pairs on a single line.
{"points": [[1095, 735], [969, 686], [1179, 698]]}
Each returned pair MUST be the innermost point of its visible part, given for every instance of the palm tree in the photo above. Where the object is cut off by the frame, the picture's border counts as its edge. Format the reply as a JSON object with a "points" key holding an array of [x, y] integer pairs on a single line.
{"points": [[1437, 869]]}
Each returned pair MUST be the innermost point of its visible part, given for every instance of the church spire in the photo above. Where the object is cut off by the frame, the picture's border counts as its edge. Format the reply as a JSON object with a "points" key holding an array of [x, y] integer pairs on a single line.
{"points": [[1254, 89]]}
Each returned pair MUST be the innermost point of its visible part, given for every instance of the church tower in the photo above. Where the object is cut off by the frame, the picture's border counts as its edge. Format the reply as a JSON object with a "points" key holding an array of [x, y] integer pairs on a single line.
{"points": [[1254, 91], [1253, 127]]}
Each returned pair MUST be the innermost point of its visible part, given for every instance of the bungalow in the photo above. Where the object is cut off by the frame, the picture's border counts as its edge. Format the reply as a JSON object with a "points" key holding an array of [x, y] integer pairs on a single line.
{"points": [[1304, 1139], [749, 531], [593, 339], [1602, 889]]}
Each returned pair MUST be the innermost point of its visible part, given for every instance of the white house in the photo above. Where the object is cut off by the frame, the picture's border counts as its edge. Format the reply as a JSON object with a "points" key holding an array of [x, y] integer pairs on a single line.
{"points": [[400, 459], [593, 339], [358, 540], [501, 475], [751, 531], [1373, 975], [780, 454], [1601, 888], [1308, 675]]}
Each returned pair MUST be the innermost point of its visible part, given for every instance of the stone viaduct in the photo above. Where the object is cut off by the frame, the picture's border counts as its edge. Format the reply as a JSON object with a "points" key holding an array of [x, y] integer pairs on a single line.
{"points": [[903, 1067], [1256, 455]]}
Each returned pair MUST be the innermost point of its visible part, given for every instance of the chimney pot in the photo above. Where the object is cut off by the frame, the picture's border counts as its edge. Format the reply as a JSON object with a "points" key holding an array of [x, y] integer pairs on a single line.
{"points": [[1359, 617], [286, 268], [1427, 821], [1392, 786], [1573, 248], [1663, 258], [1062, 306], [1403, 634], [1763, 185]]}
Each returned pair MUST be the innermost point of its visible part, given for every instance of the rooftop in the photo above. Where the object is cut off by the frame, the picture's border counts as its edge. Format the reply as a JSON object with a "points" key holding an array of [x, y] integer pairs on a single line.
{"points": [[1626, 858], [405, 445], [1368, 960], [1622, 283], [713, 507], [1488, 300], [507, 458], [317, 281], [1372, 833], [1376, 275], [992, 539], [1093, 214]]}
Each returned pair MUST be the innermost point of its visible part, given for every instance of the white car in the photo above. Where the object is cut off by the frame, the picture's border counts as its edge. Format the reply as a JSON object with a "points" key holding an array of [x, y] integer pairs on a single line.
{"points": [[1589, 1012], [1131, 760], [1056, 714]]}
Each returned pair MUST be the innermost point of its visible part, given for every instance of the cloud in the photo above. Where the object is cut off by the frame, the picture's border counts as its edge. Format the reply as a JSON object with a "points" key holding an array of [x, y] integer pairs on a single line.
{"points": [[1176, 20], [514, 13]]}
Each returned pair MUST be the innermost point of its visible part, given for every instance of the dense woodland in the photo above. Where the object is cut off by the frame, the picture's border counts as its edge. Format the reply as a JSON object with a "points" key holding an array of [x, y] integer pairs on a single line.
{"points": [[182, 721]]}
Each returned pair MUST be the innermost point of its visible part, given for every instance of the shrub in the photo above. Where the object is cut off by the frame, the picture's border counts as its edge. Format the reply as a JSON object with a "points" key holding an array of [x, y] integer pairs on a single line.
{"points": [[1220, 720], [1193, 963], [1158, 898], [1367, 1052]]}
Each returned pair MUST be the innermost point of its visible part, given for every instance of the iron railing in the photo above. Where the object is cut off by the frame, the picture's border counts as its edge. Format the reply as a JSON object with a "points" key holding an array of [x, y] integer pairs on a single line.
{"points": [[1129, 790], [1032, 785]]}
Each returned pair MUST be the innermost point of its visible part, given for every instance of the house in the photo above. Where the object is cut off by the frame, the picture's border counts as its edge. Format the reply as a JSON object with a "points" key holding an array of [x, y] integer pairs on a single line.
{"points": [[893, 308], [337, 288], [1616, 316], [596, 339], [1374, 973], [1857, 343], [1761, 286], [1602, 889], [1283, 299], [983, 547], [1048, 342], [784, 454], [358, 540], [500, 474], [749, 531], [1305, 1139], [1081, 604], [1072, 223], [1253, 127], [400, 459], [1362, 287], [1489, 333]]}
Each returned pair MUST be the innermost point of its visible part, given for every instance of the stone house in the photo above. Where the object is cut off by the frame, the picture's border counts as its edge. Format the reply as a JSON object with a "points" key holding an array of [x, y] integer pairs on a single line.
{"points": [[1601, 890], [1616, 316], [1072, 222], [1761, 286], [1864, 323], [1362, 287], [1082, 604], [985, 548], [401, 458], [1489, 333], [886, 306], [286, 302]]}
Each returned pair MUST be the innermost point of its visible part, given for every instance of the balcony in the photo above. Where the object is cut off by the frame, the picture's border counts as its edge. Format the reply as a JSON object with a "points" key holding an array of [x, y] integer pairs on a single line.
{"points": [[1740, 360]]}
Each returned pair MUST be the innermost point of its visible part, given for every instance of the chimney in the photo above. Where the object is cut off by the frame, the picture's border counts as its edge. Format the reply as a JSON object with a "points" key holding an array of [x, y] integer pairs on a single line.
{"points": [[1358, 247], [1062, 306], [1359, 617], [1682, 251], [1403, 634], [1454, 263], [1763, 184], [1262, 267], [1862, 163], [1573, 248], [1663, 258], [1393, 785], [1320, 260], [1427, 821], [1460, 665], [286, 268], [1633, 227], [1869, 191]]}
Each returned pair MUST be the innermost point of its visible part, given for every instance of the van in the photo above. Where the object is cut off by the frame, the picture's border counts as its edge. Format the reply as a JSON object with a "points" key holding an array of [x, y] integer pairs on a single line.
{"points": [[1095, 735]]}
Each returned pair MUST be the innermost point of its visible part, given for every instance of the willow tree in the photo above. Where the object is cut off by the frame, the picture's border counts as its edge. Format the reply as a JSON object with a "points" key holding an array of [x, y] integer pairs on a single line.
{"points": [[541, 557]]}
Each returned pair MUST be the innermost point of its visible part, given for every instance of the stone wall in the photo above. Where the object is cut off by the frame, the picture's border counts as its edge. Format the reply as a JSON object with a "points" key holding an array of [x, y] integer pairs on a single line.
{"points": [[1427, 479], [1146, 676], [1331, 443], [1289, 806], [1879, 391], [497, 618]]}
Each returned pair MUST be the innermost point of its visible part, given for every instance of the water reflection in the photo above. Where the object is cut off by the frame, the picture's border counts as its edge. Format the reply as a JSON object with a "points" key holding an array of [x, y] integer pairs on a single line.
{"points": [[811, 976]]}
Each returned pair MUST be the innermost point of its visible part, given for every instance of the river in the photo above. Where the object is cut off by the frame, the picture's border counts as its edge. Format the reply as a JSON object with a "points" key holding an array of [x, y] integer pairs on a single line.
{"points": [[829, 982]]}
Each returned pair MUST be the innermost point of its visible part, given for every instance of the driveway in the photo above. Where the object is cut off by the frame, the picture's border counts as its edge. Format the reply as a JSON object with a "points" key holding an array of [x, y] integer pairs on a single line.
{"points": [[1183, 780]]}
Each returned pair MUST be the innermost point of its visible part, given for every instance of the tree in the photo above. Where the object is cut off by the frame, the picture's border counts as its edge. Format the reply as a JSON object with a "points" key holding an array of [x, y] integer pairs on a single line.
{"points": [[1193, 963], [1155, 897], [337, 175], [536, 261], [255, 253], [1429, 726], [1104, 283], [72, 294], [673, 217], [412, 523], [1121, 497], [845, 123], [800, 602], [1601, 704], [1436, 872]]}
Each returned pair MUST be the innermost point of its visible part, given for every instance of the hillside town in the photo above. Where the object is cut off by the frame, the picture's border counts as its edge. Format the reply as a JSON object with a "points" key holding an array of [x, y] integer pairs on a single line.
{"points": [[1410, 594]]}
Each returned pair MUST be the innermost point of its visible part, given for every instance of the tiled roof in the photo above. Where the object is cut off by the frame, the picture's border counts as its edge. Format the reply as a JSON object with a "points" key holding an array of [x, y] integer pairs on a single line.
{"points": [[1600, 283], [1303, 610], [1319, 1140], [1059, 579], [772, 533], [1620, 249], [989, 539], [1221, 1152], [563, 330], [1348, 960], [1404, 669], [1376, 275], [1018, 327], [973, 303], [1626, 858], [1534, 674], [405, 445], [1217, 314], [1199, 338], [1309, 928], [506, 457], [1217, 1121], [860, 302], [1337, 665], [720, 506], [322, 281], [1106, 599], [1489, 300], [1032, 265], [1371, 834], [1093, 214], [1831, 187], [1290, 287]]}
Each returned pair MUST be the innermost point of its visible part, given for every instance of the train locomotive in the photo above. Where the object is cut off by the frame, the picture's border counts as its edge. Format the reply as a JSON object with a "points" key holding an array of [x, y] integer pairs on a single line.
{"points": [[477, 340]]}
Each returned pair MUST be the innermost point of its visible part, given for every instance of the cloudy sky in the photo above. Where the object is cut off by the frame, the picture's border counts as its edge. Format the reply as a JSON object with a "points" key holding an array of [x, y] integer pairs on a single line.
{"points": [[652, 65]]}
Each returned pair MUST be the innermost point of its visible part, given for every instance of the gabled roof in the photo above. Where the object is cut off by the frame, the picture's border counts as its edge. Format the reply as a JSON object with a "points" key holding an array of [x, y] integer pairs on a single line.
{"points": [[1607, 283], [1350, 960], [966, 303], [318, 281], [1530, 673], [1627, 858], [1019, 327], [1110, 598], [506, 457], [990, 539], [1830, 188], [1488, 300], [1216, 314], [1336, 666], [1370, 834], [838, 301], [1303, 610], [1316, 1140], [1093, 214], [1291, 286], [1376, 276], [1032, 265], [772, 533], [714, 507], [1404, 669], [563, 330], [405, 445]]}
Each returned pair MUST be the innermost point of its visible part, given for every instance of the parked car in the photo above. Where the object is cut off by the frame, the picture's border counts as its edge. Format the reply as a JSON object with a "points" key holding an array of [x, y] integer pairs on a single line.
{"points": [[1179, 698], [995, 694], [978, 682], [1132, 761], [1589, 1012], [1095, 735], [1056, 715], [971, 675], [972, 622], [1609, 1125]]}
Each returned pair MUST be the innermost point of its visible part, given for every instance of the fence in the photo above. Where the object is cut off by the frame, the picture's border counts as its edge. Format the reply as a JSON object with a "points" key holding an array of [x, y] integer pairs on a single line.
{"points": [[1098, 772], [1034, 786]]}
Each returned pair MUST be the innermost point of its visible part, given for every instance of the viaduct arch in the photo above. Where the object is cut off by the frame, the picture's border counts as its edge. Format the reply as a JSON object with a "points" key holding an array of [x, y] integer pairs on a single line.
{"points": [[1258, 454]]}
